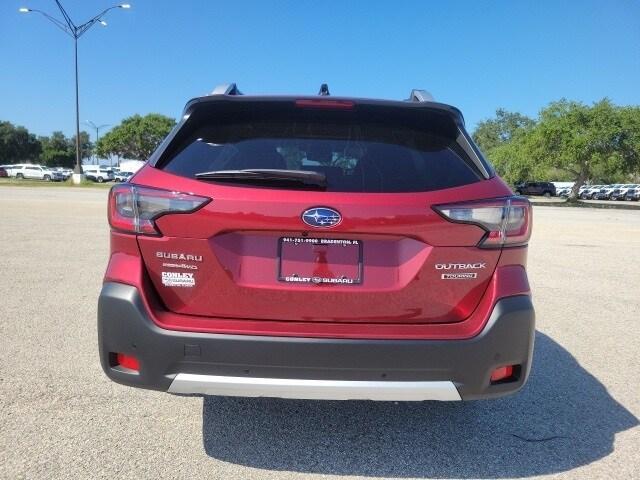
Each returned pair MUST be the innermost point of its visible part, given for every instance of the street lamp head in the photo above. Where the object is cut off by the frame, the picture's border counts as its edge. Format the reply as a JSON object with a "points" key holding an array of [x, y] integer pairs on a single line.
{"points": [[125, 5], [24, 10], [103, 23]]}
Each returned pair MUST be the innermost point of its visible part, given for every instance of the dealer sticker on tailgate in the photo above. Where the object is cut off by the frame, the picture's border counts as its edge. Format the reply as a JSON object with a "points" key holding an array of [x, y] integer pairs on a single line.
{"points": [[178, 279]]}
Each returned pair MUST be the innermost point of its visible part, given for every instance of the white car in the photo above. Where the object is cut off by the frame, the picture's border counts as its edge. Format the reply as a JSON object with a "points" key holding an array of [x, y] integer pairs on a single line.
{"points": [[588, 191], [633, 194], [123, 176], [606, 191], [7, 169], [622, 193], [98, 174], [65, 172], [10, 169], [36, 172]]}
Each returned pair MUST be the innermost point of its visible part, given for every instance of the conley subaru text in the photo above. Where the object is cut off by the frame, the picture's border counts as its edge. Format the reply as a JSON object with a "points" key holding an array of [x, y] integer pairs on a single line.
{"points": [[318, 247]]}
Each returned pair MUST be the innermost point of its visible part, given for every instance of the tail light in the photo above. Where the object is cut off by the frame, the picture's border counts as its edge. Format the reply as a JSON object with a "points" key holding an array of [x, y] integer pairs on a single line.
{"points": [[134, 209], [506, 220]]}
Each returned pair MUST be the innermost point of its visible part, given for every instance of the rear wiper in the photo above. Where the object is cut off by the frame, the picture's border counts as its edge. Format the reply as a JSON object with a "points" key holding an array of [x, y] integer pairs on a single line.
{"points": [[269, 177]]}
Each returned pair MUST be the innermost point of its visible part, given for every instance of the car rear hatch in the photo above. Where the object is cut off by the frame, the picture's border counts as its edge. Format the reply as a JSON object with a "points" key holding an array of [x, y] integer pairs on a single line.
{"points": [[356, 239]]}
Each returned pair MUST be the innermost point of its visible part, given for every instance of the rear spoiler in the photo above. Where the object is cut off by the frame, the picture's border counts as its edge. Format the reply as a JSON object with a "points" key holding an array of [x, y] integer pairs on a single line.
{"points": [[230, 92]]}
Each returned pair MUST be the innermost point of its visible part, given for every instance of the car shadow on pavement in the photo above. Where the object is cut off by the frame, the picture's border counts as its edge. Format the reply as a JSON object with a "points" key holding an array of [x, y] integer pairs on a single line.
{"points": [[562, 419]]}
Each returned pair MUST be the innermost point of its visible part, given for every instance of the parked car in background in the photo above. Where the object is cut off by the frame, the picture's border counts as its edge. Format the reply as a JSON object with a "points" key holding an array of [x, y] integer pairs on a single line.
{"points": [[615, 191], [617, 194], [98, 173], [36, 172], [583, 188], [607, 191], [4, 170], [122, 176], [632, 194], [65, 172], [603, 193], [547, 189], [589, 191], [563, 191], [9, 169], [622, 193]]}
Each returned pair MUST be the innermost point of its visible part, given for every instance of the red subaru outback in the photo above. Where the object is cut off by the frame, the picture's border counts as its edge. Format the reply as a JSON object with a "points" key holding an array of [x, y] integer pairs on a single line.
{"points": [[318, 248]]}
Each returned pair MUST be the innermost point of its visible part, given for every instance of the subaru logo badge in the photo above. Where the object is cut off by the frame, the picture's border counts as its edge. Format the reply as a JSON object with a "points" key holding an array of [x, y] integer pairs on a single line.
{"points": [[321, 217]]}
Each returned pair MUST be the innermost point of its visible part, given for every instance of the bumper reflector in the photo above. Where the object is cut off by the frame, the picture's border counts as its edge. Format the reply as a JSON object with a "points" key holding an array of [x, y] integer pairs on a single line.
{"points": [[502, 373], [128, 361]]}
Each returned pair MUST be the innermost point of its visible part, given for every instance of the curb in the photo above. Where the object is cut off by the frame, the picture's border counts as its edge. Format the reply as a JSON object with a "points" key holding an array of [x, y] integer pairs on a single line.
{"points": [[580, 204]]}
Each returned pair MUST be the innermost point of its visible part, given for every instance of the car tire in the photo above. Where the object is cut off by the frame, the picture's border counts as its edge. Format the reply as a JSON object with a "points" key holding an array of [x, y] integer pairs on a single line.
{"points": [[47, 178], [19, 176], [99, 179], [546, 194]]}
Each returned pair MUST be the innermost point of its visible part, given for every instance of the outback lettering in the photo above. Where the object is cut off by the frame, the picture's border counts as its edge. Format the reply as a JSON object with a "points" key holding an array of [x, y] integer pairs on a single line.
{"points": [[460, 266]]}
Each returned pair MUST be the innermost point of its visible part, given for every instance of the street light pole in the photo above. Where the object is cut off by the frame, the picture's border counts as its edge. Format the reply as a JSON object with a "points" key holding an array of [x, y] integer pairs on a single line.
{"points": [[78, 169], [97, 129], [75, 32]]}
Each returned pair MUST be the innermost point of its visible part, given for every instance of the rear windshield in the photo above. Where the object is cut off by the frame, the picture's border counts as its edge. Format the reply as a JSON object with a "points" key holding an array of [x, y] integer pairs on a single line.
{"points": [[355, 156]]}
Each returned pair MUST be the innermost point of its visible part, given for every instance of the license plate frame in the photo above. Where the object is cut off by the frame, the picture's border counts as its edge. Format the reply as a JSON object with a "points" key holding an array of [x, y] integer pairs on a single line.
{"points": [[315, 242]]}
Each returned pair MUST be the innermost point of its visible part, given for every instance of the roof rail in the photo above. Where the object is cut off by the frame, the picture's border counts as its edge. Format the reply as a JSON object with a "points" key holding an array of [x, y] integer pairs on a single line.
{"points": [[416, 95], [226, 89], [420, 96]]}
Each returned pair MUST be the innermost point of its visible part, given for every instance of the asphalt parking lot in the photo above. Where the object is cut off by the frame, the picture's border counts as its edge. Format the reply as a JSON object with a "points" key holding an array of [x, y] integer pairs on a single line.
{"points": [[61, 418]]}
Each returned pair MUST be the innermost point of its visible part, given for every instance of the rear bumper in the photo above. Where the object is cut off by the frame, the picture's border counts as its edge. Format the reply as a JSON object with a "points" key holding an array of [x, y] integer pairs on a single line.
{"points": [[317, 368], [188, 383]]}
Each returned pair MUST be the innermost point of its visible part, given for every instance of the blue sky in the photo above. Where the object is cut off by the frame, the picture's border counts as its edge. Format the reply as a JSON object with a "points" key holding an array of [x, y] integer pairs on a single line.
{"points": [[477, 55]]}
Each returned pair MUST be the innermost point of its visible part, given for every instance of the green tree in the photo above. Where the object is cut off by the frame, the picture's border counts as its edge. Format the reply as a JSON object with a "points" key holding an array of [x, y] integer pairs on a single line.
{"points": [[136, 137], [17, 144], [602, 140], [57, 150], [86, 147], [569, 141], [498, 131], [513, 163]]}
